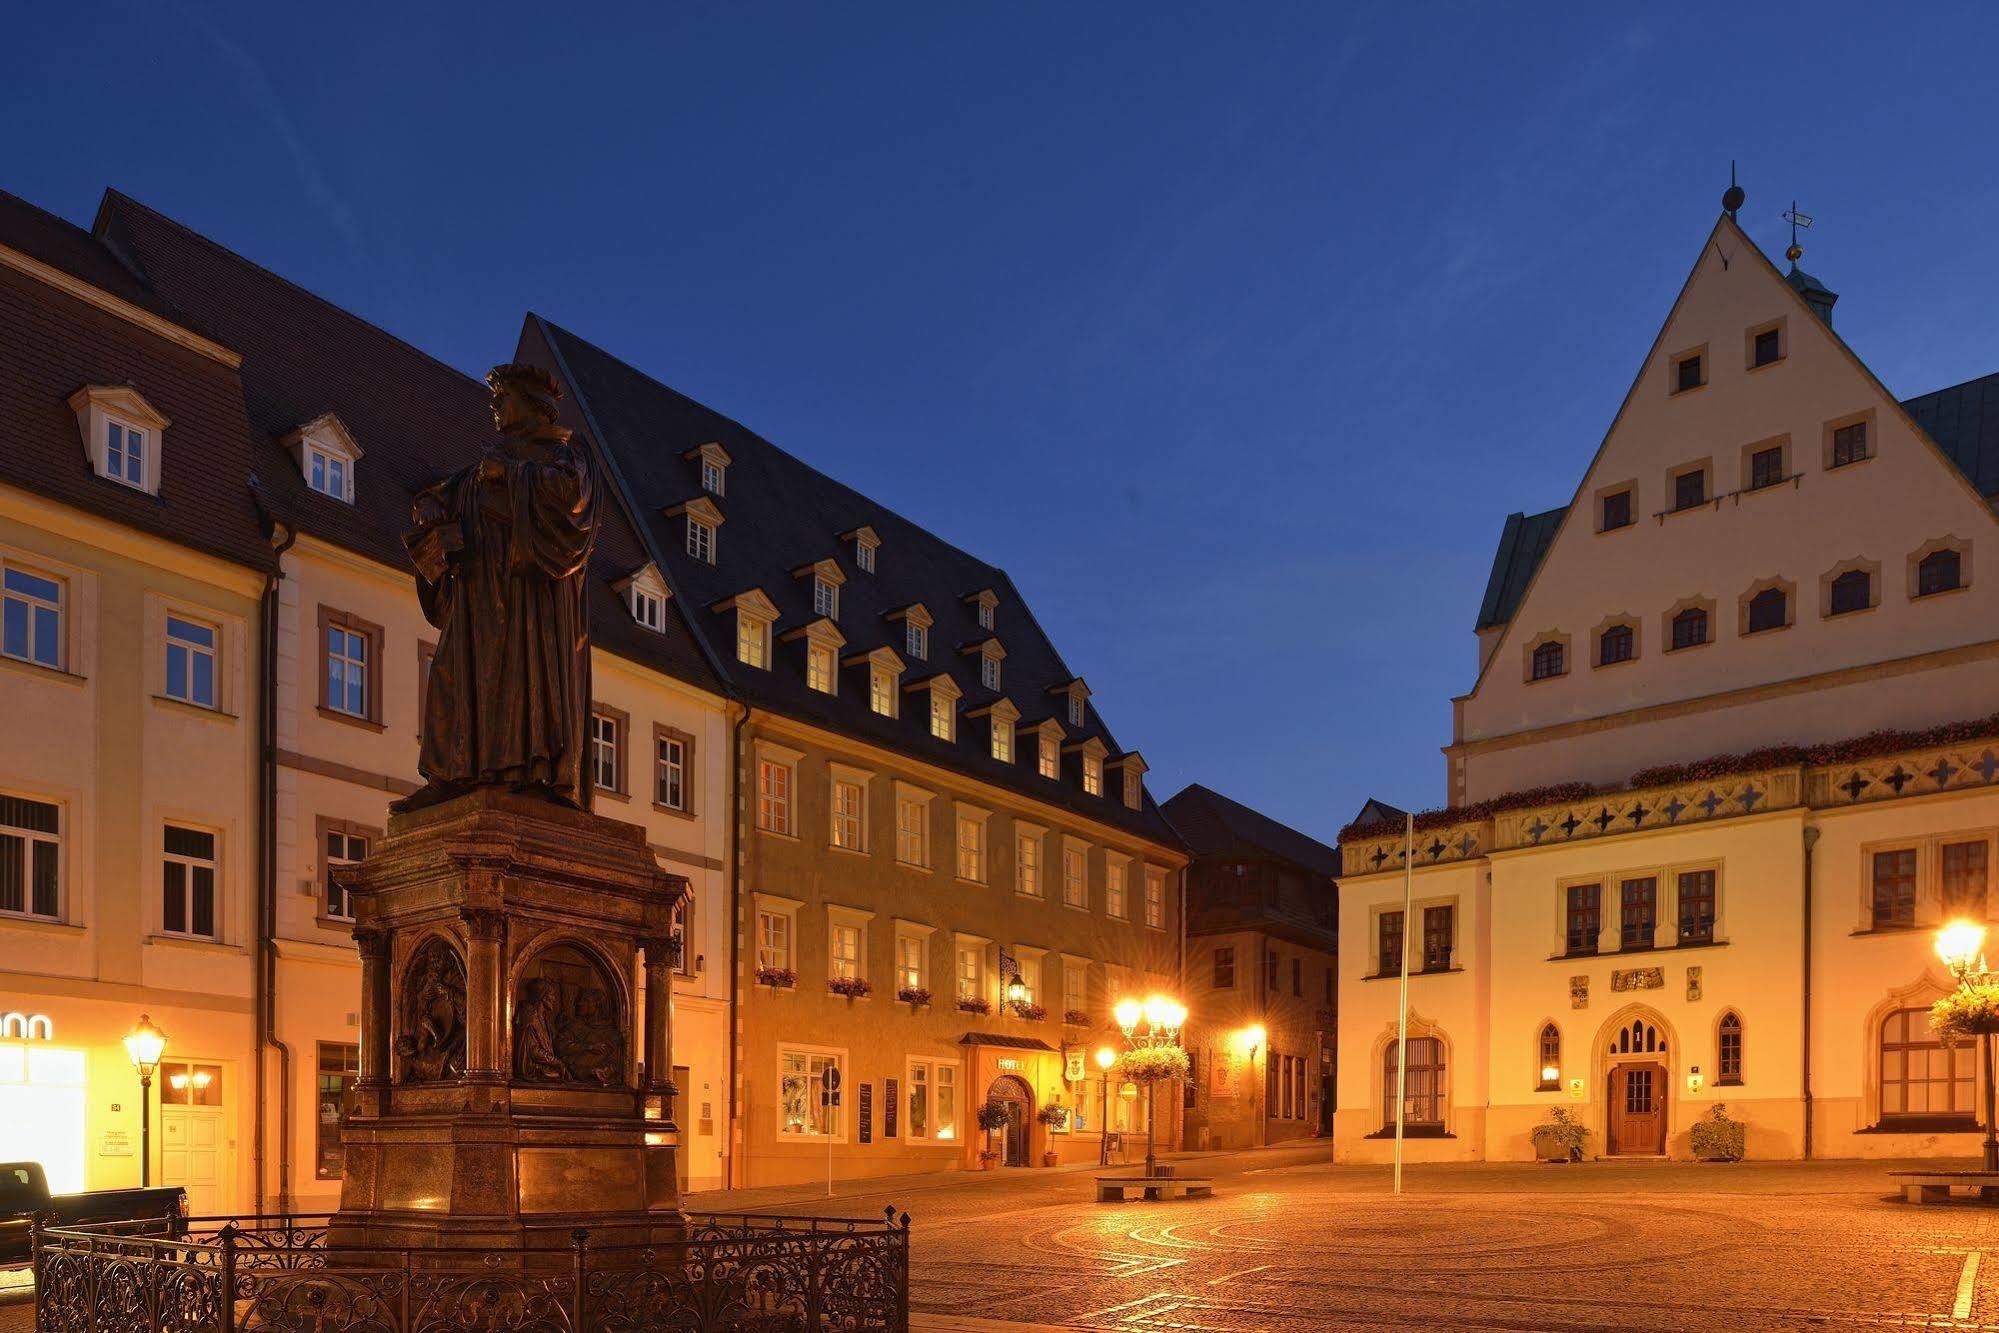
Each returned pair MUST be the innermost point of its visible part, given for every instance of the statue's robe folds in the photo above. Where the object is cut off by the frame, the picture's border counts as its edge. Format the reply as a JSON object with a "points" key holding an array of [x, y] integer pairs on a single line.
{"points": [[509, 690]]}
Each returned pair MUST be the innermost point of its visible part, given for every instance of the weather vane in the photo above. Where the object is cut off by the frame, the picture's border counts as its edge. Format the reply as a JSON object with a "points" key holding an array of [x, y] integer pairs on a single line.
{"points": [[1797, 220]]}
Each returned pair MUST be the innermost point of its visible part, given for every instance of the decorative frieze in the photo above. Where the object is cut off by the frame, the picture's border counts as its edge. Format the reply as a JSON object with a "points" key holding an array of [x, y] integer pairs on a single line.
{"points": [[1916, 773], [1464, 841], [1650, 808], [1637, 978]]}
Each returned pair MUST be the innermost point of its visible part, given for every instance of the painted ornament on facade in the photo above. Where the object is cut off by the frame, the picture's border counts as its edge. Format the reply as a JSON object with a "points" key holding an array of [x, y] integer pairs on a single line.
{"points": [[1638, 978]]}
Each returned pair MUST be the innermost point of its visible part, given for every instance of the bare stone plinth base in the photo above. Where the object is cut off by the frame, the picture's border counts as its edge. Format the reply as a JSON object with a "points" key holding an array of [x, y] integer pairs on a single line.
{"points": [[510, 1092]]}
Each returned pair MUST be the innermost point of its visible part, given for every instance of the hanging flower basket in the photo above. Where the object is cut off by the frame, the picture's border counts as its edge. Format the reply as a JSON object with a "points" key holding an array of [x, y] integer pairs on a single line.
{"points": [[782, 978], [851, 987], [973, 1004], [1148, 1063], [1968, 1011], [1076, 1018], [914, 996]]}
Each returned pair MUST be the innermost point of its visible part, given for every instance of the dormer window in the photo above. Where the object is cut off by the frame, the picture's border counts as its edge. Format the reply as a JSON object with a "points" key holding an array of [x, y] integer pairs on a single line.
{"points": [[989, 671], [1133, 788], [985, 615], [865, 541], [1131, 769], [701, 540], [755, 614], [1093, 775], [1075, 710], [711, 477], [864, 556], [713, 460], [884, 678], [1076, 697], [326, 454], [1002, 740], [826, 599], [1001, 716], [819, 669], [1049, 762], [985, 603], [121, 433], [916, 640], [649, 610], [944, 695]]}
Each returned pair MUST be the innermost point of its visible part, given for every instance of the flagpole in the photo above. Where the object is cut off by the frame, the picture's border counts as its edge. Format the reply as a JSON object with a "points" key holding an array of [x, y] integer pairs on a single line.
{"points": [[1402, 1005]]}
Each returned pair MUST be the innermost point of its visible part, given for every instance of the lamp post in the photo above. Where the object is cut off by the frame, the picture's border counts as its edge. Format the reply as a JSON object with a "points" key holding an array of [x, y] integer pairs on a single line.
{"points": [[145, 1044], [1961, 945], [1106, 1057], [1259, 1095], [1163, 1018]]}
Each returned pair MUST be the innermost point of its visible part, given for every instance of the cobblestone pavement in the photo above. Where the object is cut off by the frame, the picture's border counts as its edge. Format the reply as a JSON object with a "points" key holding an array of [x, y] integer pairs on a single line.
{"points": [[1292, 1242]]}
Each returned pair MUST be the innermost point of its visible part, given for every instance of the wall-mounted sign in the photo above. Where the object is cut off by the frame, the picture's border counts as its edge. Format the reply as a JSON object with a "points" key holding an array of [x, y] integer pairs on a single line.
{"points": [[888, 1108], [1225, 1076], [17, 1026], [1008, 1062], [1072, 1064], [867, 1113], [115, 1143]]}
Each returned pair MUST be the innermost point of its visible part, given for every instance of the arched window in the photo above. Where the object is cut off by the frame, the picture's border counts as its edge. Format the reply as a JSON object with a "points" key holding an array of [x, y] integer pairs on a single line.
{"points": [[1921, 1081], [1547, 661], [1638, 1038], [1728, 1050], [1939, 571], [1614, 645], [1551, 1058], [1423, 1099], [1768, 610], [1690, 628], [1852, 591]]}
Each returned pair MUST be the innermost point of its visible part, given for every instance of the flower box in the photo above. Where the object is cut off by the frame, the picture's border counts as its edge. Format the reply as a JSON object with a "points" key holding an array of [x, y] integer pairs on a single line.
{"points": [[851, 987], [1033, 1013], [1076, 1018], [972, 1004], [777, 978], [914, 996]]}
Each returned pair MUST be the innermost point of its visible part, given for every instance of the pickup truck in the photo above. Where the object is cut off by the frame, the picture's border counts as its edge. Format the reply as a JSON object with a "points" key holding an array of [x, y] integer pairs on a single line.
{"points": [[24, 1195]]}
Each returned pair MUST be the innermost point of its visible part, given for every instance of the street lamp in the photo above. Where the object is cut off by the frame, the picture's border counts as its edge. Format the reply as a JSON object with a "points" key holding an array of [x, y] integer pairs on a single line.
{"points": [[1255, 1036], [1163, 1017], [1961, 946], [1106, 1057], [145, 1044]]}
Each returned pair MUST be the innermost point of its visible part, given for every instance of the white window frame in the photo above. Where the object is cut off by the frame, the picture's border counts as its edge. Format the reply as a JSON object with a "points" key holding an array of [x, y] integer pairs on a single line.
{"points": [[912, 958], [847, 829], [669, 772], [916, 640], [1117, 885], [343, 910], [701, 540], [985, 615], [191, 653], [970, 844], [352, 665], [933, 1072], [1076, 707], [1075, 985], [989, 671], [712, 477], [29, 839], [1002, 739], [649, 609], [118, 434], [968, 968], [864, 555], [36, 610], [1028, 860], [329, 472], [846, 947], [1048, 758], [882, 690], [1075, 874], [752, 640], [1155, 898], [1093, 775], [606, 738], [834, 1124], [777, 793], [189, 865], [912, 826], [1134, 790], [822, 670], [825, 598], [776, 916]]}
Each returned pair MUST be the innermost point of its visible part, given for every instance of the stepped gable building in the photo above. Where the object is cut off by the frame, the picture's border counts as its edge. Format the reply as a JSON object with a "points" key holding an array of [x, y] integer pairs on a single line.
{"points": [[949, 867], [1730, 758], [1262, 960]]}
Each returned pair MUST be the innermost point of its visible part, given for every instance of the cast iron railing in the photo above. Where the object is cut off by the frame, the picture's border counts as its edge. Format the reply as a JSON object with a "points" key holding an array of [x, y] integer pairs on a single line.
{"points": [[742, 1273]]}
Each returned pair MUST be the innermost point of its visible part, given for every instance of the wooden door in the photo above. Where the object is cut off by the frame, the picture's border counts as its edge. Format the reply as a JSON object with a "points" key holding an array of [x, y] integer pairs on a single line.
{"points": [[1638, 1109], [1016, 1132], [191, 1155]]}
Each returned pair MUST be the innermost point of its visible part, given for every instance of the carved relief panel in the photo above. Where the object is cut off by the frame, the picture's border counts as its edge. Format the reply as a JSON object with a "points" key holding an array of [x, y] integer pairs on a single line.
{"points": [[430, 1035], [568, 1024]]}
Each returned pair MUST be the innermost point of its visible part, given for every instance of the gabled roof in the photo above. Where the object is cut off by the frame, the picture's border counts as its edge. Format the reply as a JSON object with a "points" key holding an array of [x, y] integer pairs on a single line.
{"points": [[783, 515], [304, 357], [58, 343], [1212, 825], [1964, 421]]}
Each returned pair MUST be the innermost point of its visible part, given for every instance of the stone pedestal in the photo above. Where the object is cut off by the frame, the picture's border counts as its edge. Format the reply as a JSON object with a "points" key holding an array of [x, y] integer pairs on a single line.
{"points": [[510, 1088]]}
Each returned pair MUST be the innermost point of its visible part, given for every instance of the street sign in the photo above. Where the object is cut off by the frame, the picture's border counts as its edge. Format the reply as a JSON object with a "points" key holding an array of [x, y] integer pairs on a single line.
{"points": [[831, 1076]]}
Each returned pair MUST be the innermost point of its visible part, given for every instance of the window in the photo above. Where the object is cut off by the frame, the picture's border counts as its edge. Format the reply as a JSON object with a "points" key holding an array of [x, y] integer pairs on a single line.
{"points": [[803, 1110], [1616, 510], [1584, 917], [989, 671], [1155, 897], [848, 806], [1075, 877], [971, 971], [1690, 489], [1547, 661], [985, 615], [910, 971], [943, 715], [1895, 888], [774, 779], [1964, 883], [711, 476], [1270, 963], [1920, 1079], [881, 690], [191, 662], [774, 940], [31, 617], [752, 641], [125, 454], [1224, 967], [1002, 740], [701, 540], [819, 669], [1049, 763], [1027, 863], [912, 830], [1728, 1051], [1687, 373], [1388, 951], [864, 556], [1114, 887], [1075, 987], [670, 785], [1615, 645], [1133, 791], [606, 759], [1437, 923], [1939, 571], [843, 950], [350, 678], [342, 845], [933, 1102], [916, 640], [339, 1068], [1765, 347], [30, 857], [1690, 628], [1093, 775], [1696, 906], [1852, 591], [1849, 444], [1076, 708], [1551, 1059], [1423, 1095], [972, 848], [328, 473], [649, 609], [1768, 610], [187, 884], [825, 599], [1766, 467], [1638, 913]]}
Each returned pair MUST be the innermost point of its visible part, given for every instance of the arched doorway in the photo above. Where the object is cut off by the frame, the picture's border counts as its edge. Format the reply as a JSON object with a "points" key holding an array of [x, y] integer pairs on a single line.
{"points": [[1637, 1086], [1013, 1098]]}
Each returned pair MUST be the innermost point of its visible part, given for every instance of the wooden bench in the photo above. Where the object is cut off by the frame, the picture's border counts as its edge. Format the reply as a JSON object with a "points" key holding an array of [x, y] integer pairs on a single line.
{"points": [[1116, 1189], [1932, 1186]]}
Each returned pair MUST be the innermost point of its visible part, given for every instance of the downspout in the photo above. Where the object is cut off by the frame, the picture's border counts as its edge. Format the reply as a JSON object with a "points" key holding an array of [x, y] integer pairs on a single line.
{"points": [[267, 896], [732, 1177], [1811, 841]]}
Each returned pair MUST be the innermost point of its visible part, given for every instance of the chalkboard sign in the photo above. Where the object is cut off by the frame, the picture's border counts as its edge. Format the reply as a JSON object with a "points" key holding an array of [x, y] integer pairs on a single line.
{"points": [[867, 1112], [888, 1108]]}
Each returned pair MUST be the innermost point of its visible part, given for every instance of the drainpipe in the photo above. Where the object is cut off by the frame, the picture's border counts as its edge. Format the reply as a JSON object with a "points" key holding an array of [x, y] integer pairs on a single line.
{"points": [[1811, 841], [732, 1176], [266, 980]]}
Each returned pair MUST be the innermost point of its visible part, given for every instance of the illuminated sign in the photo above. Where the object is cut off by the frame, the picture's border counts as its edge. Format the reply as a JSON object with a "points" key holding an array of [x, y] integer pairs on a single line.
{"points": [[1008, 1062], [18, 1026]]}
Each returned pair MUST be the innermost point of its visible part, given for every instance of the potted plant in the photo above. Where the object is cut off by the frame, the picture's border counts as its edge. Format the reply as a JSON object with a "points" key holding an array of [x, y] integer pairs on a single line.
{"points": [[992, 1116], [1718, 1138], [851, 987], [914, 996], [777, 978], [974, 1004], [1056, 1118], [1563, 1138], [1076, 1018]]}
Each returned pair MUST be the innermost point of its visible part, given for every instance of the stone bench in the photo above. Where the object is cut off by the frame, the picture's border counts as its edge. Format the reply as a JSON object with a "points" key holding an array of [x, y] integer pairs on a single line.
{"points": [[1116, 1189], [1929, 1186]]}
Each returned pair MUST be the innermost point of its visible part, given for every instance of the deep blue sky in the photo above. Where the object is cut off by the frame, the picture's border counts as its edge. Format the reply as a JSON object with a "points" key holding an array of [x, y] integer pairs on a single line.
{"points": [[1232, 332]]}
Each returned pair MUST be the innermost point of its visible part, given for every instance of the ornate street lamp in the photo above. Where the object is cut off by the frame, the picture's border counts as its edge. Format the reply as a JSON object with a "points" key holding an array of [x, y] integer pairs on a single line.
{"points": [[1961, 946], [145, 1044], [1153, 1052], [1106, 1057]]}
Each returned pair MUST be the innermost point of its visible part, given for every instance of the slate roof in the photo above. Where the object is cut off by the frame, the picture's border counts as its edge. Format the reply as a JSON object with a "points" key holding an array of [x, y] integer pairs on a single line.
{"points": [[780, 514], [57, 343], [1522, 543], [414, 417], [1212, 825]]}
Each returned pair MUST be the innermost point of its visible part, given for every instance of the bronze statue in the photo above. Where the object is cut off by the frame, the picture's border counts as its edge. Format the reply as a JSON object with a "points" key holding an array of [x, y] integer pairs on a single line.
{"points": [[432, 1047], [501, 551]]}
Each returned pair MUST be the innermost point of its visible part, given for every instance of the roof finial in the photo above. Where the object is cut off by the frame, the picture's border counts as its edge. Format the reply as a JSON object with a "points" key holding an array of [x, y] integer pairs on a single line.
{"points": [[1732, 197], [1797, 220]]}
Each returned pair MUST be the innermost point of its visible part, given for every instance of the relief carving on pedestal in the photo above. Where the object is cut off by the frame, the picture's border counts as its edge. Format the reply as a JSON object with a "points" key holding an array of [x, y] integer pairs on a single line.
{"points": [[430, 1046], [566, 1023]]}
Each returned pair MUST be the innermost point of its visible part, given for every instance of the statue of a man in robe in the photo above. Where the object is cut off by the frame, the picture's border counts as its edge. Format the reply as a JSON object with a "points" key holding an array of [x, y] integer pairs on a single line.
{"points": [[502, 549]]}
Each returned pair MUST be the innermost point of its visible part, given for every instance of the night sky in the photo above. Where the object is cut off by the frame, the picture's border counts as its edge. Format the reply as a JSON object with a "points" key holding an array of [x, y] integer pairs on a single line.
{"points": [[1231, 332]]}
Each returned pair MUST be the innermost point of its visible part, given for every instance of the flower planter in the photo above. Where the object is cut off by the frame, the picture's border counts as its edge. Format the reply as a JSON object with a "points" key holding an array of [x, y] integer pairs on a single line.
{"points": [[777, 978], [1048, 1158], [1562, 1139], [1717, 1138], [914, 996]]}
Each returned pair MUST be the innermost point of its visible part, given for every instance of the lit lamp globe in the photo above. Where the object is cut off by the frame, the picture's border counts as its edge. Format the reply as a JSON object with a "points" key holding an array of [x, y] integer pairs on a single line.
{"points": [[1254, 1036], [1016, 991], [145, 1044], [1959, 943], [1175, 1015], [1106, 1057], [1126, 1013]]}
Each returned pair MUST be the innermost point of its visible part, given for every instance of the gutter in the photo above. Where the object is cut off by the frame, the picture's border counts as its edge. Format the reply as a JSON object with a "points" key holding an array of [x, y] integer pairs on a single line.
{"points": [[1811, 842], [266, 981]]}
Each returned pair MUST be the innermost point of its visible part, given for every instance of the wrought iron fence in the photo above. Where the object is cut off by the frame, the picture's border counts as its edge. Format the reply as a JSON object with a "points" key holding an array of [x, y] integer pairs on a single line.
{"points": [[742, 1273]]}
